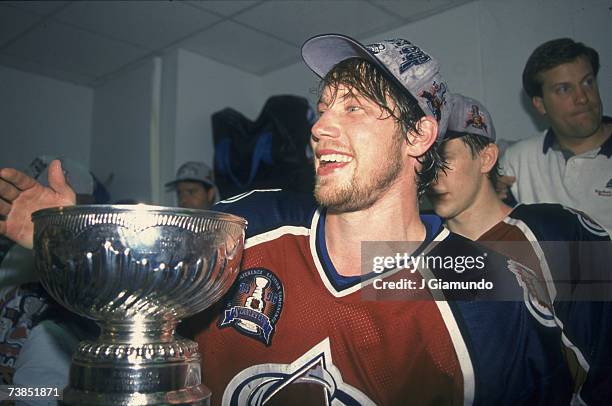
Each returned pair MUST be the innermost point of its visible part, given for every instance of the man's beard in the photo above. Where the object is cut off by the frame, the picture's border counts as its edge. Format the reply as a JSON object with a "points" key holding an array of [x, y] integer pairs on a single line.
{"points": [[359, 194]]}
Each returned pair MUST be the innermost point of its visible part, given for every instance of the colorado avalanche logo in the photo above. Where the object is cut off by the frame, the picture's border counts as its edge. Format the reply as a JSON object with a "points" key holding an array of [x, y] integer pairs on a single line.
{"points": [[476, 119], [259, 384], [435, 97], [255, 304], [535, 295]]}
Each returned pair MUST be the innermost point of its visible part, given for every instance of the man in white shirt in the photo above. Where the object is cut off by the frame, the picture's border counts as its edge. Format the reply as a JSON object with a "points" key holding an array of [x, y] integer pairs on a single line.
{"points": [[570, 163]]}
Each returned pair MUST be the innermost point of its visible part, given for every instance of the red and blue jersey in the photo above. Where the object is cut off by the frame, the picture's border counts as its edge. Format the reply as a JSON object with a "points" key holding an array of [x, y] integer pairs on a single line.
{"points": [[573, 253], [292, 331]]}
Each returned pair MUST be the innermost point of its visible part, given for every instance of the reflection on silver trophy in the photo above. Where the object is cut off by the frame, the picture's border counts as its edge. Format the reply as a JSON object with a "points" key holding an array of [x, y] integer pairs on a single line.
{"points": [[136, 270]]}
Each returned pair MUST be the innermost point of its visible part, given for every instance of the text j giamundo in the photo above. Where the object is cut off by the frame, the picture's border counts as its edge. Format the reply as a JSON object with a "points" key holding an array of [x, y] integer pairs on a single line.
{"points": [[433, 284]]}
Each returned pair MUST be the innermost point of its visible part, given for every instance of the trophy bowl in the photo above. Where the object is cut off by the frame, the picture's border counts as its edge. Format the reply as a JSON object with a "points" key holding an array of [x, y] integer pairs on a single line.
{"points": [[136, 270]]}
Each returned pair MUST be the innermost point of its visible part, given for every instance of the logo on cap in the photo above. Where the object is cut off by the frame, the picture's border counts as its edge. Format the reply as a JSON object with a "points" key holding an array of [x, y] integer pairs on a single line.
{"points": [[435, 98], [476, 119]]}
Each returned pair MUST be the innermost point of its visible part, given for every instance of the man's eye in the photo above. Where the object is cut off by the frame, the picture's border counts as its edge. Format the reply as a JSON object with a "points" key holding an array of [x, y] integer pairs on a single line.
{"points": [[351, 109], [589, 82], [562, 89]]}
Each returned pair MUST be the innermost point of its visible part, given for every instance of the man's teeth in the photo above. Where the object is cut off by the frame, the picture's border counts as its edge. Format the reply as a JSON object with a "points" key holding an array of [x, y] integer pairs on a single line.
{"points": [[336, 158]]}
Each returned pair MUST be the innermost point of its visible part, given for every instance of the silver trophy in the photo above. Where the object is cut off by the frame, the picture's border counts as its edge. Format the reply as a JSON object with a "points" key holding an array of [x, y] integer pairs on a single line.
{"points": [[136, 270]]}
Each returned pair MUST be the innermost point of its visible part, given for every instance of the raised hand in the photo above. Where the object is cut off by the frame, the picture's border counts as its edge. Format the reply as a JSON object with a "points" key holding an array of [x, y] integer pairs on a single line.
{"points": [[20, 196]]}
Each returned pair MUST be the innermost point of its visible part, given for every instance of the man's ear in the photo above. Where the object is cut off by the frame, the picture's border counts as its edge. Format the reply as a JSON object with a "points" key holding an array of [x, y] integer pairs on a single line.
{"points": [[488, 157], [420, 141], [538, 103]]}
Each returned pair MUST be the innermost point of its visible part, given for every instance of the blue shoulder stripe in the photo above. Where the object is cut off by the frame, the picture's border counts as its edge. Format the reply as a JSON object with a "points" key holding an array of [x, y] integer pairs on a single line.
{"points": [[267, 210], [554, 222]]}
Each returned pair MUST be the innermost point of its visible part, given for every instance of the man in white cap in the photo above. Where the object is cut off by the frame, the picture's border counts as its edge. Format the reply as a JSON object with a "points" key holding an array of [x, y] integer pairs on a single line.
{"points": [[195, 186], [297, 327]]}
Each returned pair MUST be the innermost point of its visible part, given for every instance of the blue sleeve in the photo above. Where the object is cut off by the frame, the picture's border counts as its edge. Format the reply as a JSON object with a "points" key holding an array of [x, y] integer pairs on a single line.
{"points": [[579, 253], [44, 360]]}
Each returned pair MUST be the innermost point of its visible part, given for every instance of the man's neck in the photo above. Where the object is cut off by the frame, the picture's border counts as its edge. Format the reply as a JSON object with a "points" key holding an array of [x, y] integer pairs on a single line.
{"points": [[386, 220], [486, 211], [581, 145]]}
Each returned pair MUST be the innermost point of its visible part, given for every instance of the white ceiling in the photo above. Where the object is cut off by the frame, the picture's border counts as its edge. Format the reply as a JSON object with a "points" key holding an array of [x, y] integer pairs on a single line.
{"points": [[86, 42]]}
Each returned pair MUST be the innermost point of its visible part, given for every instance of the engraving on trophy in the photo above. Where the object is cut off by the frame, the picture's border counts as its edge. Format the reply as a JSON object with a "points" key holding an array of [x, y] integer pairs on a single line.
{"points": [[133, 380], [137, 270]]}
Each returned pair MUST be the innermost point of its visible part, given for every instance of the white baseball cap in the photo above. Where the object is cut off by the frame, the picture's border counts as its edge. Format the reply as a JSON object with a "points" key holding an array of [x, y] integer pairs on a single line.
{"points": [[403, 62], [194, 171], [469, 116]]}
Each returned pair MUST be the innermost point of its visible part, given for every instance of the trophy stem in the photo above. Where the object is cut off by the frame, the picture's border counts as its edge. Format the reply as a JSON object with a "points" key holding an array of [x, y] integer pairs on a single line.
{"points": [[137, 332]]}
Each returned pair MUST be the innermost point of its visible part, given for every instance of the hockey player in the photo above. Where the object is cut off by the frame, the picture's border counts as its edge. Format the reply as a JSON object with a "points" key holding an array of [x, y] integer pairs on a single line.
{"points": [[564, 246], [297, 327]]}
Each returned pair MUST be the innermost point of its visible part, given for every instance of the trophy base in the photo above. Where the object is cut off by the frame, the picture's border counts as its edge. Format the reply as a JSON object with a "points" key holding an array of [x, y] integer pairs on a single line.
{"points": [[153, 373], [194, 396]]}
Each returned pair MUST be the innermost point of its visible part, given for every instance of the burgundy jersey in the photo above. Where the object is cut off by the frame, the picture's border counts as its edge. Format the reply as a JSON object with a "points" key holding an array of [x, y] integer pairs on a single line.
{"points": [[567, 249]]}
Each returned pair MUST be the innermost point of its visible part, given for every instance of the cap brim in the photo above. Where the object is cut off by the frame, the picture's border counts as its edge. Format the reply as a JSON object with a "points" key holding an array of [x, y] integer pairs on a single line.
{"points": [[322, 52], [452, 134], [174, 182]]}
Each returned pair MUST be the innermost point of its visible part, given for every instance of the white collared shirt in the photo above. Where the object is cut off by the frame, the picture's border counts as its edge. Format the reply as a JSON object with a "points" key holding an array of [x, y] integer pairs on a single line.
{"points": [[543, 175]]}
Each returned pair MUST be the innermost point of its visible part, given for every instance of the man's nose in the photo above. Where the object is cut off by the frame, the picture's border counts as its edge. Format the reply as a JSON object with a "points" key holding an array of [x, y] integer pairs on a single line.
{"points": [[581, 96], [325, 126]]}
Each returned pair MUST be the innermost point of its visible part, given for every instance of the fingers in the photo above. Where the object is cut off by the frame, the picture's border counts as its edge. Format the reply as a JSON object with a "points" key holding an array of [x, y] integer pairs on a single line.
{"points": [[16, 178], [500, 187], [503, 184], [57, 180], [507, 180], [5, 208], [8, 191], [12, 182]]}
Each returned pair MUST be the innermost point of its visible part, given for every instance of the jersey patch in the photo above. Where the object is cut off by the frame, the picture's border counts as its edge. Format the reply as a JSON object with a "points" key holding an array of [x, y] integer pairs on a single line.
{"points": [[255, 304], [257, 384]]}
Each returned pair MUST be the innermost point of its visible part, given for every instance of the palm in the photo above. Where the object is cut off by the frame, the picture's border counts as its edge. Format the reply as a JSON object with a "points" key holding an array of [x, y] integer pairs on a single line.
{"points": [[19, 226], [20, 196]]}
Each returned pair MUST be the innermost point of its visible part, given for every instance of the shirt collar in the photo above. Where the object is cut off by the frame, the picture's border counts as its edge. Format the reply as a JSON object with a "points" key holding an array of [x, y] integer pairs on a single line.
{"points": [[605, 149], [549, 140]]}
